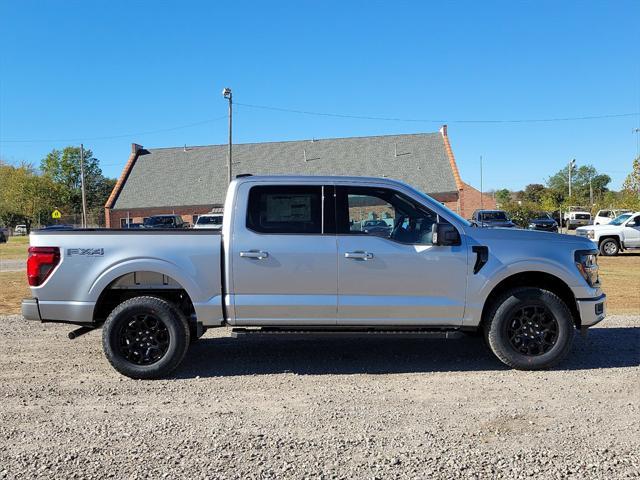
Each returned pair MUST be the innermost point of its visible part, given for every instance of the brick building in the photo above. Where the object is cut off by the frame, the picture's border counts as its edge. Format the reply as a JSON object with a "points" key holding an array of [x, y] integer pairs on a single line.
{"points": [[190, 181]]}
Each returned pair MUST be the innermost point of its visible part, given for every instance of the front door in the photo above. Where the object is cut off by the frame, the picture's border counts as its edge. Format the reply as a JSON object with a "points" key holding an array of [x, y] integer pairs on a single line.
{"points": [[283, 256], [389, 273]]}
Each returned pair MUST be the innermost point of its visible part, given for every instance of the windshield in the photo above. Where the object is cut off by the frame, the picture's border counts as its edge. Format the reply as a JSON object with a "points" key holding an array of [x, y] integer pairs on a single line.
{"points": [[153, 221], [620, 220], [209, 220], [493, 216], [542, 216]]}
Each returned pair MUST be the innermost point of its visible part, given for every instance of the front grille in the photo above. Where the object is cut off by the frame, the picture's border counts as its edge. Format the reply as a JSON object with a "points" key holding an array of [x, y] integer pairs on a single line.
{"points": [[582, 216]]}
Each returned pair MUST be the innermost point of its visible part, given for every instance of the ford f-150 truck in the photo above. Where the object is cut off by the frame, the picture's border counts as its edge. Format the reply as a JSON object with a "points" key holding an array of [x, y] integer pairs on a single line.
{"points": [[292, 258]]}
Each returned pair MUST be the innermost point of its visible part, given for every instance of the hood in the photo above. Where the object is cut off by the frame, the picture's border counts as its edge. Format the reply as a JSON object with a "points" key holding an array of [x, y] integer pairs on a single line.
{"points": [[498, 223], [600, 228], [520, 237]]}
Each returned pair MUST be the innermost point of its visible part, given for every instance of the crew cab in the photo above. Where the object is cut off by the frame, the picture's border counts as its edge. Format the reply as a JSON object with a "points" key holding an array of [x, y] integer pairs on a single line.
{"points": [[621, 233], [294, 256]]}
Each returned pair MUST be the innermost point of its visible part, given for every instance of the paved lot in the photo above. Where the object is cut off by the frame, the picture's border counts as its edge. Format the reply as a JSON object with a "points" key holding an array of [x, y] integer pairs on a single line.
{"points": [[363, 408]]}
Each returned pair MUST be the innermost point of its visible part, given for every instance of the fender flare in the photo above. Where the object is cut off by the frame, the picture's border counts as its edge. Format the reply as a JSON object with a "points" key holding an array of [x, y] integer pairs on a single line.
{"points": [[155, 265]]}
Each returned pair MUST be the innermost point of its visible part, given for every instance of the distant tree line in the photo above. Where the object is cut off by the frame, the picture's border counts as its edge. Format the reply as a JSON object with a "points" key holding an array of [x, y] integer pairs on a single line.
{"points": [[589, 189], [28, 195]]}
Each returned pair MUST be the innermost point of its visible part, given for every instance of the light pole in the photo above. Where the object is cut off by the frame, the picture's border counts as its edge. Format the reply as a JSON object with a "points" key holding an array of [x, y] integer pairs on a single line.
{"points": [[84, 197], [226, 93], [572, 164]]}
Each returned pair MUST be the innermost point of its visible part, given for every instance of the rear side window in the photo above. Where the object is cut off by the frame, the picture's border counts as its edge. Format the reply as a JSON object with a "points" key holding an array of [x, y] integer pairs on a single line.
{"points": [[285, 209]]}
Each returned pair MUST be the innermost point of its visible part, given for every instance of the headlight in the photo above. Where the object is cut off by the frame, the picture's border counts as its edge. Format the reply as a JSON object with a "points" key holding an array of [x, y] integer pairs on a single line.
{"points": [[587, 263], [532, 225], [591, 234]]}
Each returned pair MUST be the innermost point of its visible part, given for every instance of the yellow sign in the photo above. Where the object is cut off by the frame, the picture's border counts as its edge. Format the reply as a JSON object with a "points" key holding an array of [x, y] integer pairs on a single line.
{"points": [[56, 214]]}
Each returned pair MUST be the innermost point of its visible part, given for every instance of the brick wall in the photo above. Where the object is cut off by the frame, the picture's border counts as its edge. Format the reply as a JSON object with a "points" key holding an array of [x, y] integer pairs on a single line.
{"points": [[470, 201], [136, 215]]}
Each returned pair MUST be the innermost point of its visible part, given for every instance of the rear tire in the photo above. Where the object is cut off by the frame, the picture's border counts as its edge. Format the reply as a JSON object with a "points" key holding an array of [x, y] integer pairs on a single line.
{"points": [[145, 338], [609, 247], [529, 329]]}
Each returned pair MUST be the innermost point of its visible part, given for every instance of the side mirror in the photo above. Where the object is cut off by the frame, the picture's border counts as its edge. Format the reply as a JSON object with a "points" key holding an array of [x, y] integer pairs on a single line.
{"points": [[445, 234]]}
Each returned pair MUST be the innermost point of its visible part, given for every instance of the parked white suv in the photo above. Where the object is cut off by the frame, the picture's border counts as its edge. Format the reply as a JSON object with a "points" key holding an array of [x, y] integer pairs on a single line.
{"points": [[621, 233], [603, 217]]}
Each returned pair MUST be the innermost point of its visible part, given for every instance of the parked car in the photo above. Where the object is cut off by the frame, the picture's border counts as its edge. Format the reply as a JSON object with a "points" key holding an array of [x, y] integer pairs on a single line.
{"points": [[164, 221], [621, 233], [492, 219], [20, 230], [575, 217], [603, 217], [376, 227], [209, 220], [4, 235], [544, 222], [288, 262]]}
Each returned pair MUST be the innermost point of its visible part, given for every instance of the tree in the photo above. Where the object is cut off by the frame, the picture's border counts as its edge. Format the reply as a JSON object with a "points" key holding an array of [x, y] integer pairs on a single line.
{"points": [[26, 197], [582, 179], [533, 192], [632, 182], [503, 196], [63, 167]]}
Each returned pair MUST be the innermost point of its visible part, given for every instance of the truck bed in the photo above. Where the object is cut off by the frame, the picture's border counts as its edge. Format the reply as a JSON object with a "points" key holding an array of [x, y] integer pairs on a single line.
{"points": [[92, 261]]}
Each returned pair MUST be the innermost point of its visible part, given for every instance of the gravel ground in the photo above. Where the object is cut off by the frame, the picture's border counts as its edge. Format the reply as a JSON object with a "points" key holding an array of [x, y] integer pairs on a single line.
{"points": [[319, 408]]}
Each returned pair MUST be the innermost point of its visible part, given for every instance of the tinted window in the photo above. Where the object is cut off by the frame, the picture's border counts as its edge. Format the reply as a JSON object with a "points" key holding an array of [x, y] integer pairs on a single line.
{"points": [[493, 216], [285, 209], [383, 213], [205, 220]]}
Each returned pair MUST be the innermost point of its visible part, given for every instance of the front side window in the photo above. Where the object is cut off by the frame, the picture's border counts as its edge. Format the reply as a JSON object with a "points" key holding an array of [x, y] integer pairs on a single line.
{"points": [[285, 209], [383, 213]]}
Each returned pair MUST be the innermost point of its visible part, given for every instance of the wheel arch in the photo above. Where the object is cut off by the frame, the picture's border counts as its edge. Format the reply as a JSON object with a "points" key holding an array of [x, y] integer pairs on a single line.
{"points": [[164, 285], [543, 280]]}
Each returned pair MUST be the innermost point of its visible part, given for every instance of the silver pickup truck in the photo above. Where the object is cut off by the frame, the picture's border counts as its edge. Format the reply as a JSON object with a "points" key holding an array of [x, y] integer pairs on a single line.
{"points": [[319, 255]]}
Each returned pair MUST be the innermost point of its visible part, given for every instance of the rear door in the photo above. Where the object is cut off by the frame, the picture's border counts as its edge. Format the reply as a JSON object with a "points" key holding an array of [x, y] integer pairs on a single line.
{"points": [[283, 255], [393, 275], [632, 232]]}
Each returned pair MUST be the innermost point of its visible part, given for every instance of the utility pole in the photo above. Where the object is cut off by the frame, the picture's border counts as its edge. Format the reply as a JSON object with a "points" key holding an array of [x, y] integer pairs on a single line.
{"points": [[572, 164], [226, 93], [590, 193], [481, 194], [84, 196]]}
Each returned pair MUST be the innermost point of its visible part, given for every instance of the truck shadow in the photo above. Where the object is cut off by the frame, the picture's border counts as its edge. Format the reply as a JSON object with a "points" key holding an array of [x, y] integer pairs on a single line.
{"points": [[215, 357]]}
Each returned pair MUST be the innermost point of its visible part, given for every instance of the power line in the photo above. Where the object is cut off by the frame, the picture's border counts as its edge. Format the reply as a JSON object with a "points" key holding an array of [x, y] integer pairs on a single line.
{"points": [[423, 120], [124, 135]]}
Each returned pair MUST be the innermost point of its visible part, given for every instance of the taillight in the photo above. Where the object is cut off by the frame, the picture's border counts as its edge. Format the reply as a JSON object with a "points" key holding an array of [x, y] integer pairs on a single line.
{"points": [[41, 262]]}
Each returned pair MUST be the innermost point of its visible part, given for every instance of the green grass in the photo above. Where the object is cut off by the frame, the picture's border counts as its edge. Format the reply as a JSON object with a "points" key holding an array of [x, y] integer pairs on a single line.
{"points": [[15, 248]]}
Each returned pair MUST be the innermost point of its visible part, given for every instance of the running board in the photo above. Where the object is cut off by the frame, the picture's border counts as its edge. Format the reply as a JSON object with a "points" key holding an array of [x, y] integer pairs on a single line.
{"points": [[346, 332]]}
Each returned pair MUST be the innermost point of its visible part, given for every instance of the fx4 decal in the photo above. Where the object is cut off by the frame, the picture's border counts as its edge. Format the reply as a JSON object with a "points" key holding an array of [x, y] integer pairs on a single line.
{"points": [[87, 252]]}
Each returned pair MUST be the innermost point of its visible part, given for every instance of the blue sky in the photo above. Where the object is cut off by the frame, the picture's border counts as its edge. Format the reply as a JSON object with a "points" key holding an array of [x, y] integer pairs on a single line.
{"points": [[75, 71]]}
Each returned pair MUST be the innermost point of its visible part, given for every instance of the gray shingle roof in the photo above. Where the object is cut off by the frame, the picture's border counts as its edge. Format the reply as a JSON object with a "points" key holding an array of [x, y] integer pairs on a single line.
{"points": [[197, 175]]}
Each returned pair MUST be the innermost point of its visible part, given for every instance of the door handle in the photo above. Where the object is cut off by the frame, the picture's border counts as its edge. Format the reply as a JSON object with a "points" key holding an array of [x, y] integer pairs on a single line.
{"points": [[259, 254], [359, 255]]}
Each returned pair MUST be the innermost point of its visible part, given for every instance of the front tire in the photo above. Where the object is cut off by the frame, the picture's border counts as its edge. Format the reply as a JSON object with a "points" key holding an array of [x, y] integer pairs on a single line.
{"points": [[529, 329], [145, 338], [609, 247]]}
